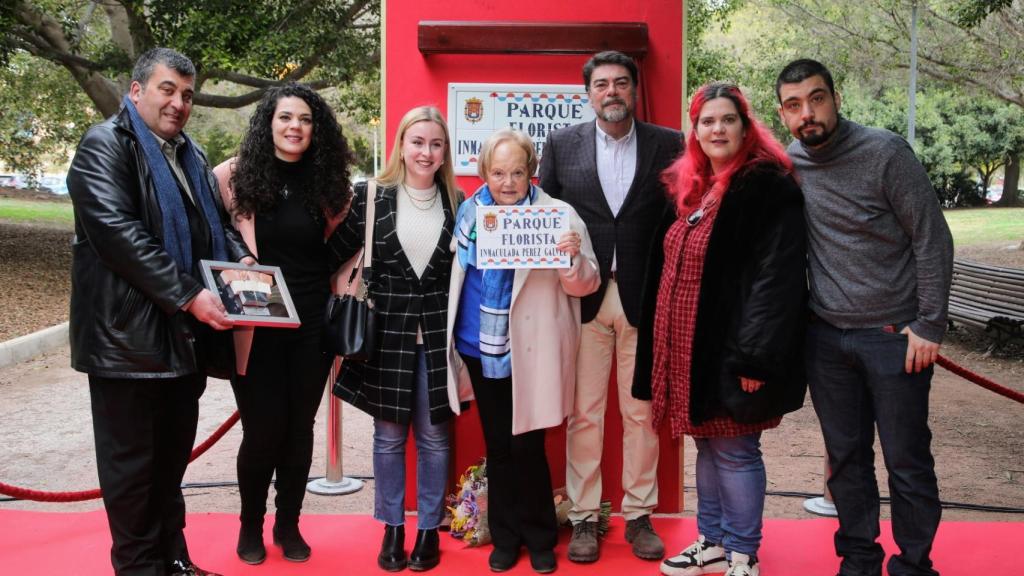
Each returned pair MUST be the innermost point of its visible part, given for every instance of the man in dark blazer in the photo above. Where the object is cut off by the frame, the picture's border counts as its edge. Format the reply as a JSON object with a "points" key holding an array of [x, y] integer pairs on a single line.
{"points": [[147, 209], [609, 171]]}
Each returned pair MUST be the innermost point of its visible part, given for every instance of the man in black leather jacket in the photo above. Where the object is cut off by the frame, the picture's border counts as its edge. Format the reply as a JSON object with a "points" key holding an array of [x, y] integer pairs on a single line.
{"points": [[140, 316]]}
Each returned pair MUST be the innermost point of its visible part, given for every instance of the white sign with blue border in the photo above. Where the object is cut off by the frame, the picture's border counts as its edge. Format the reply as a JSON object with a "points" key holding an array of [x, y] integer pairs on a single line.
{"points": [[520, 236], [476, 110]]}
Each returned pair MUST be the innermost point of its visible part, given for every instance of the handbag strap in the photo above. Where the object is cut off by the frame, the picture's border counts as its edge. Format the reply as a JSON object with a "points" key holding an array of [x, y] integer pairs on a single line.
{"points": [[355, 285], [371, 219]]}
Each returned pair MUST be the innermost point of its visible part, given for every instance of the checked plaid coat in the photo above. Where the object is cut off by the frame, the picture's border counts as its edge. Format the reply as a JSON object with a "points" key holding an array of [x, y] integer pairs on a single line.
{"points": [[383, 385]]}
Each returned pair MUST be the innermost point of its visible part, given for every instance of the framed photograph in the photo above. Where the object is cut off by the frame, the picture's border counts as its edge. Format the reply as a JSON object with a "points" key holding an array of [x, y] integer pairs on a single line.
{"points": [[252, 295]]}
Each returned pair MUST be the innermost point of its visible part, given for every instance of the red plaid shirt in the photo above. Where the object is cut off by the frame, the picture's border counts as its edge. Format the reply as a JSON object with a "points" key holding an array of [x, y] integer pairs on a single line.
{"points": [[674, 322]]}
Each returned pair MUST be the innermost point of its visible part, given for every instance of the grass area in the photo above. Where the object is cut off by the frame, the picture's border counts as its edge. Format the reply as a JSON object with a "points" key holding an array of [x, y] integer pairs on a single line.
{"points": [[30, 211], [983, 225], [969, 225]]}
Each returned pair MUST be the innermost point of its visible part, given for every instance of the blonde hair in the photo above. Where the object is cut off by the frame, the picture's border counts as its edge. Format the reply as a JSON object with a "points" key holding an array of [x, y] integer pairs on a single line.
{"points": [[394, 171], [507, 135]]}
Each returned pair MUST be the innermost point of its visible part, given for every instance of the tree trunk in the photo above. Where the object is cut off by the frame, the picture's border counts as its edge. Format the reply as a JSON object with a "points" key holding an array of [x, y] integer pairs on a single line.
{"points": [[58, 48], [1011, 180]]}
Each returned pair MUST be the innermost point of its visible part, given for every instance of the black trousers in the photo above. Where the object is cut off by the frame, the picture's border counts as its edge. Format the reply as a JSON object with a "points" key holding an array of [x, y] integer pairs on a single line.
{"points": [[521, 507], [278, 399], [144, 431]]}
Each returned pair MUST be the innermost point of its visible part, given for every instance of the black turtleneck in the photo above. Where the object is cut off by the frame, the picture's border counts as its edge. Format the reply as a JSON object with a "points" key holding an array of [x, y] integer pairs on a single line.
{"points": [[291, 238]]}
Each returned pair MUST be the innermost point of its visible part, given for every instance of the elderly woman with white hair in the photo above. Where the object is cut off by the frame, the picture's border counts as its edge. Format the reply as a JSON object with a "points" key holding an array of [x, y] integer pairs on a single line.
{"points": [[512, 340]]}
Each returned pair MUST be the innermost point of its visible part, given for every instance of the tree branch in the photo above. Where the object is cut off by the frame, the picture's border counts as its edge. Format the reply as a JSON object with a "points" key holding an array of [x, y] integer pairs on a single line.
{"points": [[215, 101]]}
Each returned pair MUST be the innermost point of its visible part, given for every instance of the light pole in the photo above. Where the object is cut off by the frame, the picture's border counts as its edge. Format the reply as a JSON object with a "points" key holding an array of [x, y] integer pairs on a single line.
{"points": [[375, 122]]}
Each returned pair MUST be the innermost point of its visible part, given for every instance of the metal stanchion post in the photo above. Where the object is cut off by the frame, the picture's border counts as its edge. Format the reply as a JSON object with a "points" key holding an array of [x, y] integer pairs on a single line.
{"points": [[822, 505], [335, 483]]}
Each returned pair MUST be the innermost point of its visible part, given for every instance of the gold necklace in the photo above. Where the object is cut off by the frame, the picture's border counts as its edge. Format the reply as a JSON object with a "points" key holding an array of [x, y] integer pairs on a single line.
{"points": [[418, 203]]}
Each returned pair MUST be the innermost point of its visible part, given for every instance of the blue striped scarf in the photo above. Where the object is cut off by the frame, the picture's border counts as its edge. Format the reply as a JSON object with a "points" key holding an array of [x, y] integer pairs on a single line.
{"points": [[495, 290], [177, 236]]}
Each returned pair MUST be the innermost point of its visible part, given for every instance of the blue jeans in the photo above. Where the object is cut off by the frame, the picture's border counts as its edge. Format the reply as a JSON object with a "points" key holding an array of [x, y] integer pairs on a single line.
{"points": [[431, 460], [730, 491], [857, 381]]}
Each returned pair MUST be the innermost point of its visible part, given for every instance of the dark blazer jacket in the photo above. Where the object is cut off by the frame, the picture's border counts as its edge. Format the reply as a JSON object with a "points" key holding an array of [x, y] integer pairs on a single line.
{"points": [[383, 385], [126, 290], [752, 307], [568, 171]]}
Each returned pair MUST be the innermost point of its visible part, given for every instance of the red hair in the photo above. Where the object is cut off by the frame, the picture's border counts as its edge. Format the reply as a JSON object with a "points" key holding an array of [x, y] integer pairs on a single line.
{"points": [[690, 175]]}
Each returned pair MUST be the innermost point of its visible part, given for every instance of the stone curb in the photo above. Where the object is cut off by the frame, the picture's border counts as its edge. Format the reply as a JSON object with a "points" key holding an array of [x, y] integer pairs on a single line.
{"points": [[31, 345]]}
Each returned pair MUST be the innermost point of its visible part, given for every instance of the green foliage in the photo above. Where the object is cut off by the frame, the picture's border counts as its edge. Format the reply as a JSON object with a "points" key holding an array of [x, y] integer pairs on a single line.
{"points": [[970, 13], [219, 144], [266, 38], [83, 53], [359, 99], [706, 62], [362, 149], [960, 138], [42, 114], [963, 132], [254, 43], [975, 44]]}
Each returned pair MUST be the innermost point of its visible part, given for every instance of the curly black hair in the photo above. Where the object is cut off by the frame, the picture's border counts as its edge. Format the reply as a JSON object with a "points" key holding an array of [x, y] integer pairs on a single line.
{"points": [[256, 180]]}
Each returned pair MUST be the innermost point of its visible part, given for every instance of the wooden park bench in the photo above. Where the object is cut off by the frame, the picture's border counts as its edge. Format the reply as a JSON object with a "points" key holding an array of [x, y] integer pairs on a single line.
{"points": [[988, 297]]}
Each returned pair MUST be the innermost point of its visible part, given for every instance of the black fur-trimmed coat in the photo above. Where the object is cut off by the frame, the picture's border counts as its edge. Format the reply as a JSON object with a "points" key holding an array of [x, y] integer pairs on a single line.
{"points": [[752, 308], [383, 385]]}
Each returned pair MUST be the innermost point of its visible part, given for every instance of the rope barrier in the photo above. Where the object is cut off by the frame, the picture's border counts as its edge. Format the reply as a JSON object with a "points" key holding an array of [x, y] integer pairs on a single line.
{"points": [[43, 496], [978, 379]]}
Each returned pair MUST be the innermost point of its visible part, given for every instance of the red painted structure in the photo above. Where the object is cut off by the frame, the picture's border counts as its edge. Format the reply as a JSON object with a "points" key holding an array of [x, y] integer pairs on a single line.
{"points": [[413, 78]]}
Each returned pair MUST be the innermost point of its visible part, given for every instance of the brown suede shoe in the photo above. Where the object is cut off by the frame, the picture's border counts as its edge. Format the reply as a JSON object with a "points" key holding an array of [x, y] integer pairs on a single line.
{"points": [[646, 543], [584, 546]]}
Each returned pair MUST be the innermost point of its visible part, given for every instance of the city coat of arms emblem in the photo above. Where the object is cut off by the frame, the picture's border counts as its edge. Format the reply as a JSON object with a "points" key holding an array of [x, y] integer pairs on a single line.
{"points": [[474, 110], [490, 221]]}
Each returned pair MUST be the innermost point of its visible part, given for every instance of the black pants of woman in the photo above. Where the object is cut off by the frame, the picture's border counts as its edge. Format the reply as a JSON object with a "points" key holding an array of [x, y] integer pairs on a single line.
{"points": [[521, 509], [278, 399]]}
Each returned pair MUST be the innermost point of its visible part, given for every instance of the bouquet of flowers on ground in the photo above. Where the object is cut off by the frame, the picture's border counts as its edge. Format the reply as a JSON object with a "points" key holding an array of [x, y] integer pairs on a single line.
{"points": [[468, 506]]}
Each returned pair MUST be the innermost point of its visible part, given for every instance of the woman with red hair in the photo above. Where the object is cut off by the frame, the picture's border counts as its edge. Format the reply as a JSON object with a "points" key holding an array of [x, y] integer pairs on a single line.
{"points": [[720, 344]]}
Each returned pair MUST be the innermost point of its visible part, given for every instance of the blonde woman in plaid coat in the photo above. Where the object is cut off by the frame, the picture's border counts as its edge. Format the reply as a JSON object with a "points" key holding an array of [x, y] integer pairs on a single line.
{"points": [[404, 382]]}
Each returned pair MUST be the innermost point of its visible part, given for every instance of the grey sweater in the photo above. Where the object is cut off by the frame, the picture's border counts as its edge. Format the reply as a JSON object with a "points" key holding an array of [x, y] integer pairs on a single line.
{"points": [[879, 249]]}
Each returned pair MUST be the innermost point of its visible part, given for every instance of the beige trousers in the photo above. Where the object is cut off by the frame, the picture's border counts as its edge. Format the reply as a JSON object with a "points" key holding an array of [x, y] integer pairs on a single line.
{"points": [[607, 334]]}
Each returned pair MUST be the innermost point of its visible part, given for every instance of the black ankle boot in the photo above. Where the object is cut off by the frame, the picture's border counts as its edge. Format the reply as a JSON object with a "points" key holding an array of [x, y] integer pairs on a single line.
{"points": [[287, 536], [250, 543], [392, 549], [427, 552]]}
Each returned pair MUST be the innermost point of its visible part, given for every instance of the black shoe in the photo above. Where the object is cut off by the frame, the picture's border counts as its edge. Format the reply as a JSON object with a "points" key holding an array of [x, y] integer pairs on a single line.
{"points": [[503, 559], [392, 549], [427, 552], [185, 567], [543, 562], [250, 543], [287, 536]]}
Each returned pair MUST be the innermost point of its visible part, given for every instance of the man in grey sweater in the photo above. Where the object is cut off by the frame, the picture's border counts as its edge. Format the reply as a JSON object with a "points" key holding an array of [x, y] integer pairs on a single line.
{"points": [[881, 259]]}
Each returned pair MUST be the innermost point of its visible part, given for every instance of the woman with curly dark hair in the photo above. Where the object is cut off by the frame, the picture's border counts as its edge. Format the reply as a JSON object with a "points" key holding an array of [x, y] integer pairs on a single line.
{"points": [[287, 191]]}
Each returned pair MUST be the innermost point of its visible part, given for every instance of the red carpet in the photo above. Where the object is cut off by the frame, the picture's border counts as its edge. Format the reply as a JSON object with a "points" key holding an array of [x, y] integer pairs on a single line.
{"points": [[47, 543]]}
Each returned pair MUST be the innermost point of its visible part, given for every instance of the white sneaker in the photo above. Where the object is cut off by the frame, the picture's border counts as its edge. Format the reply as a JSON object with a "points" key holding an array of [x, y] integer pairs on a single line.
{"points": [[701, 557], [743, 565]]}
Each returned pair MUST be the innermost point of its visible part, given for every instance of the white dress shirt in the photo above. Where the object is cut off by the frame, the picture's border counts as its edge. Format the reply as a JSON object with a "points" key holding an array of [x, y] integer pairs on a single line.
{"points": [[616, 166]]}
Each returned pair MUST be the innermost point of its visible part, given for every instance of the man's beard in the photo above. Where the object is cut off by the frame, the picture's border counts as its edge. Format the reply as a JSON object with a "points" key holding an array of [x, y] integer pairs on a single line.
{"points": [[815, 139], [616, 114]]}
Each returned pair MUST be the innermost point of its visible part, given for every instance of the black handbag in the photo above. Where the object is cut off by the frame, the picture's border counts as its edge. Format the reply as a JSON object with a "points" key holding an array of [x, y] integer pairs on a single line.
{"points": [[350, 321]]}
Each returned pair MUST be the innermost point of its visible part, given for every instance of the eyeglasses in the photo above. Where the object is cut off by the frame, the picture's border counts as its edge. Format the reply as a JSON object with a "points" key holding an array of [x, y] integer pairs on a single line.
{"points": [[501, 175]]}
